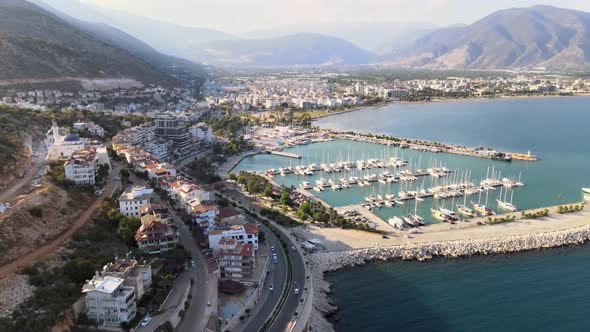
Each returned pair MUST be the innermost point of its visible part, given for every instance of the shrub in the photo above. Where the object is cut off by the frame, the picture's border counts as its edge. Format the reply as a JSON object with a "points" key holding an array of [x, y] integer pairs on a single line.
{"points": [[36, 211]]}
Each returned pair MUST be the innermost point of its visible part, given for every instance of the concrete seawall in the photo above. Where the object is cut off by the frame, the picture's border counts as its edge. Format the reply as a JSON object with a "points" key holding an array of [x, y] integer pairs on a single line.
{"points": [[332, 261]]}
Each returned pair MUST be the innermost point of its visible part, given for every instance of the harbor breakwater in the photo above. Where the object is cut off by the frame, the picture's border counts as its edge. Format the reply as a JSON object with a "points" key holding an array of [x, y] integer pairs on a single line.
{"points": [[332, 261]]}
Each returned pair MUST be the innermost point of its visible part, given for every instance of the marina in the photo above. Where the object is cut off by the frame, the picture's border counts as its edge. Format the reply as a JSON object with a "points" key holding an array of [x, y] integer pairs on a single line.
{"points": [[328, 170]]}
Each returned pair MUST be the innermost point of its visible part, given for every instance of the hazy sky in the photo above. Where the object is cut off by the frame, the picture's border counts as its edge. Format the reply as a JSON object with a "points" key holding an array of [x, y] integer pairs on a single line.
{"points": [[239, 16]]}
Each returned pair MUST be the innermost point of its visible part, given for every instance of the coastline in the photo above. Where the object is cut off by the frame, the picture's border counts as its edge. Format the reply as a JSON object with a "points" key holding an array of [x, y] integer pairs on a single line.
{"points": [[331, 261], [445, 100]]}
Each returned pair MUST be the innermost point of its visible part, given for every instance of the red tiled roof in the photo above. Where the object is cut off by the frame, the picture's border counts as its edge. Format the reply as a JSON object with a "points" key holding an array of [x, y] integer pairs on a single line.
{"points": [[203, 208], [227, 212], [251, 229]]}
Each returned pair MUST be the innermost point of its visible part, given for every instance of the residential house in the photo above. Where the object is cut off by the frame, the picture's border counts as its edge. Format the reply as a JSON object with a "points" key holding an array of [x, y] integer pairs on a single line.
{"points": [[236, 260], [133, 199], [247, 233], [156, 237]]}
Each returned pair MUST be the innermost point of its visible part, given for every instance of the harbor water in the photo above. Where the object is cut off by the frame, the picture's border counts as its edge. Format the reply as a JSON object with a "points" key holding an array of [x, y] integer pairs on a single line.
{"points": [[543, 290]]}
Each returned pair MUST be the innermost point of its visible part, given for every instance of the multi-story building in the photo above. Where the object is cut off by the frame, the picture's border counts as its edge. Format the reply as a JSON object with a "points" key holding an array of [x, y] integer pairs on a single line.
{"points": [[131, 200], [155, 212], [247, 234], [236, 260], [205, 216], [138, 276], [156, 237], [82, 166], [202, 132], [108, 301]]}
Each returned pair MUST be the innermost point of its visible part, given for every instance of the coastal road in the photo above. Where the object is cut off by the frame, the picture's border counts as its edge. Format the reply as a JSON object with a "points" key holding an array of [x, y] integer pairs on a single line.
{"points": [[289, 308], [196, 316], [284, 318], [51, 247], [10, 193], [278, 276]]}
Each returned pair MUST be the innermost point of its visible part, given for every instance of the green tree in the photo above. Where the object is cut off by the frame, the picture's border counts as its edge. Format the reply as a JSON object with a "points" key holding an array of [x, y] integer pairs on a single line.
{"points": [[79, 270], [286, 199]]}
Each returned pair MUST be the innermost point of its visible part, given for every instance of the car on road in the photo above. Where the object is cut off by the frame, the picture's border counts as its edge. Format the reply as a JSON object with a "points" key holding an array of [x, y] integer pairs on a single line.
{"points": [[292, 248], [271, 288], [193, 264], [117, 178], [146, 321], [257, 224], [296, 291], [272, 248]]}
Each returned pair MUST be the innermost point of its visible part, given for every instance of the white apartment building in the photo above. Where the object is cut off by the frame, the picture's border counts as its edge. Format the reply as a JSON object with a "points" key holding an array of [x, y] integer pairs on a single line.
{"points": [[83, 164], [131, 201], [202, 132], [108, 301], [247, 234]]}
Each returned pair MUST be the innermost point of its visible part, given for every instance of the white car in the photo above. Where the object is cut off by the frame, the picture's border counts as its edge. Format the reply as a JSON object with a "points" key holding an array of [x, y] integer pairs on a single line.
{"points": [[146, 321], [271, 288], [296, 291]]}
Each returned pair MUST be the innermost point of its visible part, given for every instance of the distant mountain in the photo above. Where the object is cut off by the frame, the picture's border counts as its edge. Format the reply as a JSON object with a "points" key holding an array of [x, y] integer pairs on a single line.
{"points": [[122, 40], [165, 37], [378, 37], [539, 36], [299, 49], [36, 44]]}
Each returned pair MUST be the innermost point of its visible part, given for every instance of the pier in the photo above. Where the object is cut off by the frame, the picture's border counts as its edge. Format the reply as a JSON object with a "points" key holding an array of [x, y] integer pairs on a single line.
{"points": [[380, 224], [286, 154]]}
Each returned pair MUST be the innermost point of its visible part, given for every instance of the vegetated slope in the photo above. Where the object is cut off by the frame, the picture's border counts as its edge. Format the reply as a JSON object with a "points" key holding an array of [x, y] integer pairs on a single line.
{"points": [[37, 44], [538, 36]]}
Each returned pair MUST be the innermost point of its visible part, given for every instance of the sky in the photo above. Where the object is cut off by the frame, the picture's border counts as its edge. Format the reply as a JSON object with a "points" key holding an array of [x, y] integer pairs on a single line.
{"points": [[240, 16]]}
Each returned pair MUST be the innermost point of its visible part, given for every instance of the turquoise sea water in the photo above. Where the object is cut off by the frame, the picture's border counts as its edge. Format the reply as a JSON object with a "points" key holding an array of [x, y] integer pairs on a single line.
{"points": [[557, 130], [537, 291]]}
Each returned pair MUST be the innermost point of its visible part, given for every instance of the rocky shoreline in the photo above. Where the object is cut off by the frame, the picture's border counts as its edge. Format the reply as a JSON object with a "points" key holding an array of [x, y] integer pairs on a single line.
{"points": [[322, 262]]}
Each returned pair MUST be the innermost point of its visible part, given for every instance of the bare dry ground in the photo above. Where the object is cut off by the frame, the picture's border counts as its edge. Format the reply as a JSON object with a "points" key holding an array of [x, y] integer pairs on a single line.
{"points": [[22, 232]]}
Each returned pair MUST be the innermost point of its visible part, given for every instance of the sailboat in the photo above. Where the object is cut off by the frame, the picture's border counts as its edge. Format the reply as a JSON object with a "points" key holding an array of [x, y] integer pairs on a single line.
{"points": [[463, 209], [415, 219], [504, 204]]}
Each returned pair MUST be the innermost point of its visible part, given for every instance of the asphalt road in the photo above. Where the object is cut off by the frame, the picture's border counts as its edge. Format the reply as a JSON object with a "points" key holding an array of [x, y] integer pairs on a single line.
{"points": [[283, 320], [196, 316], [297, 281], [277, 277]]}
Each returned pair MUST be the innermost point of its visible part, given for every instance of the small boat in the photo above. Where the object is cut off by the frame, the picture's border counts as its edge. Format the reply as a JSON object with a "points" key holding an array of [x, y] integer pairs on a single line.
{"points": [[381, 180], [482, 209], [306, 185], [388, 204], [318, 188], [506, 206], [398, 201], [417, 219], [437, 214], [462, 209], [396, 222], [449, 213]]}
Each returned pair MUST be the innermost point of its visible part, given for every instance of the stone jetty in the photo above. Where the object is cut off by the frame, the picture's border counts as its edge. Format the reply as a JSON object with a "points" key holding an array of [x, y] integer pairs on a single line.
{"points": [[331, 261]]}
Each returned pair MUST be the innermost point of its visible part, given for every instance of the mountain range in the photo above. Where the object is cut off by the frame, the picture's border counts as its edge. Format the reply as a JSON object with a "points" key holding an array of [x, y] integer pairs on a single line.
{"points": [[298, 49], [70, 38], [37, 44], [534, 37]]}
